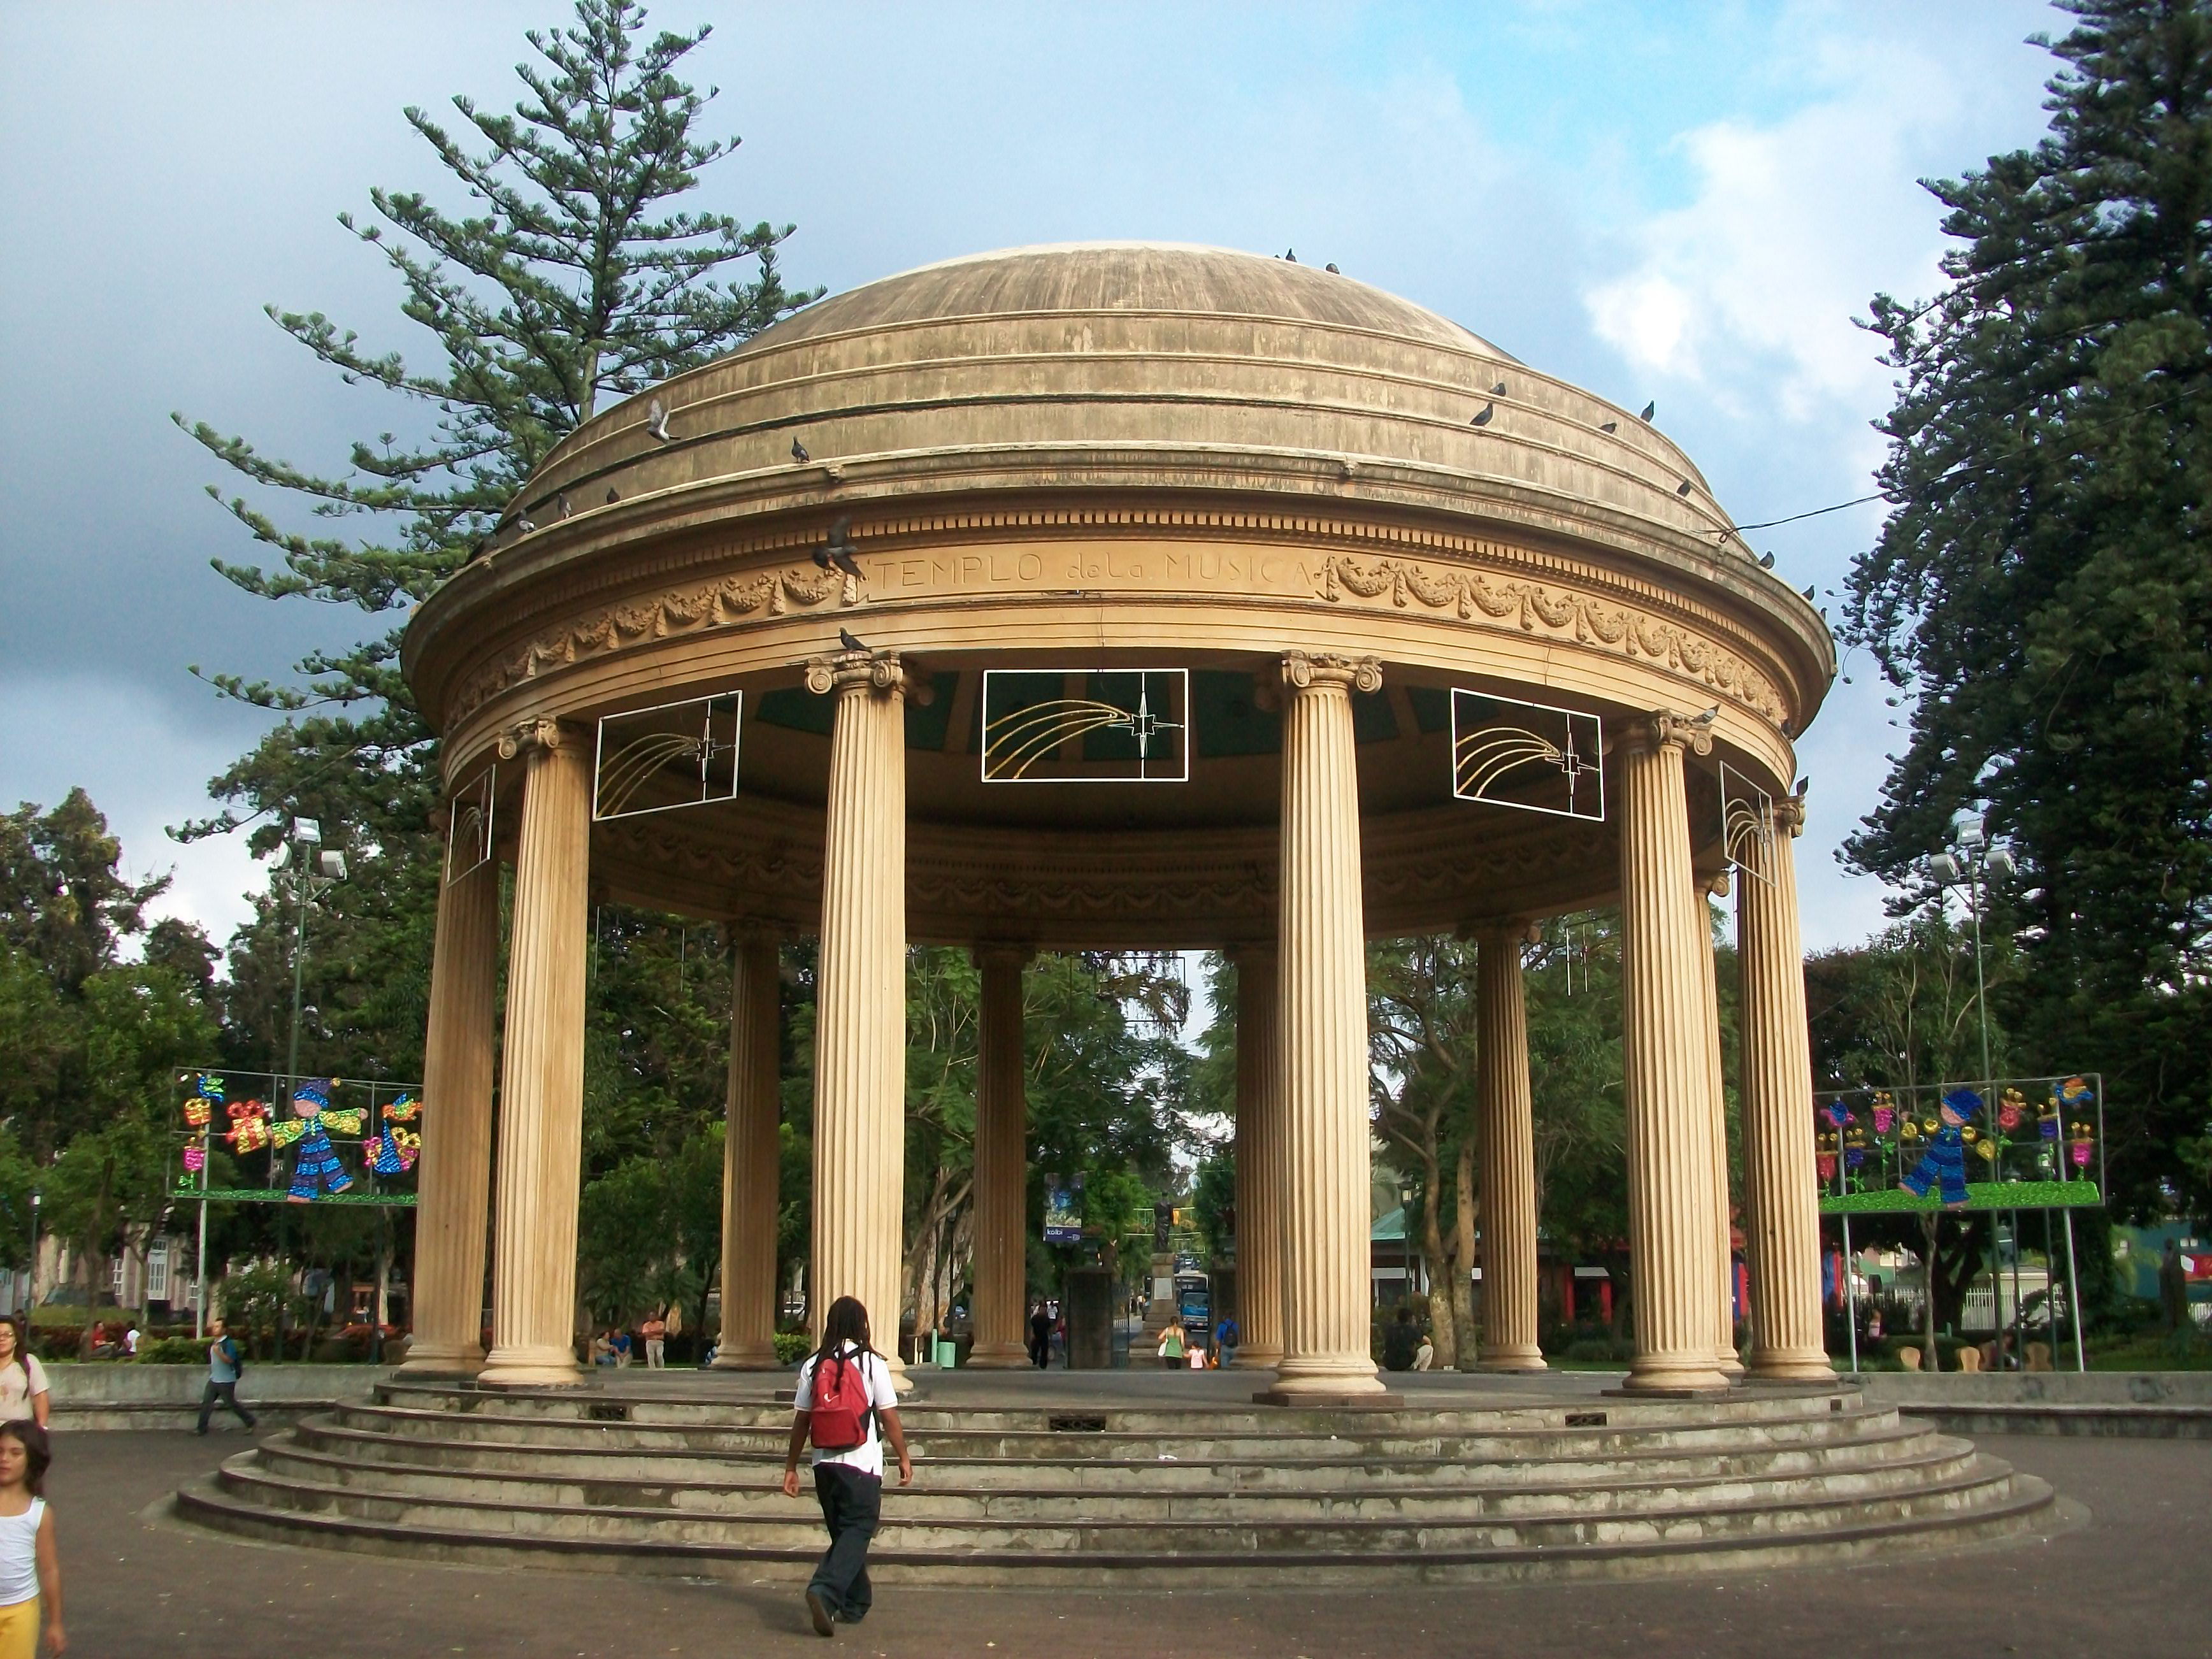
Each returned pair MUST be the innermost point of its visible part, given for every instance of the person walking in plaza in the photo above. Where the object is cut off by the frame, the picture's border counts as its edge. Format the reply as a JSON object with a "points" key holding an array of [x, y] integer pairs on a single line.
{"points": [[30, 1562], [22, 1379], [1172, 1350], [225, 1365], [1040, 1336], [1224, 1340], [847, 1408], [655, 1332]]}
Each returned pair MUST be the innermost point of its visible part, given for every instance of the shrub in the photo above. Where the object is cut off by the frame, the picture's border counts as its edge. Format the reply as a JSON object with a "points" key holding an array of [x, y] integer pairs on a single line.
{"points": [[792, 1346], [172, 1351]]}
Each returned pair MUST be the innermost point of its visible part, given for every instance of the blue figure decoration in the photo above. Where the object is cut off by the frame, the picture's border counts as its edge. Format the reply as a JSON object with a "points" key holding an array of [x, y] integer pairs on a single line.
{"points": [[317, 1167], [1944, 1164]]}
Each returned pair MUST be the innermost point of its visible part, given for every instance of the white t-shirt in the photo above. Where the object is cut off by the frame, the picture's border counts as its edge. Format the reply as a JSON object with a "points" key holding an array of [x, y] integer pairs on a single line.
{"points": [[868, 1457], [14, 1396], [18, 1554]]}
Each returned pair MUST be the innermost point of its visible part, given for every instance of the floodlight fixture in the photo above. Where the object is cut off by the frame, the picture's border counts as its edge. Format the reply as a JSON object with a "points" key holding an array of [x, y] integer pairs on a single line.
{"points": [[1968, 832], [2001, 862], [280, 857], [333, 866], [307, 830], [1944, 868]]}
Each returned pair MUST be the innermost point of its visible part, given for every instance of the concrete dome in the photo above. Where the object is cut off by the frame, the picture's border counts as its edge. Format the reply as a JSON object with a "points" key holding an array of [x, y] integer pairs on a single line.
{"points": [[1130, 454]]}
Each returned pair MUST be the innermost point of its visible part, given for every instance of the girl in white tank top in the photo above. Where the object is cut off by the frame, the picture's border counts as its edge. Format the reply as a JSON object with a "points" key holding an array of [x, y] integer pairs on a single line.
{"points": [[30, 1566]]}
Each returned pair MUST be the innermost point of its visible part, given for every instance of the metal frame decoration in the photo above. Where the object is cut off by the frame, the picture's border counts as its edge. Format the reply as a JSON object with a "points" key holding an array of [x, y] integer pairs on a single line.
{"points": [[1148, 708], [1503, 743], [667, 741], [469, 827], [1746, 821]]}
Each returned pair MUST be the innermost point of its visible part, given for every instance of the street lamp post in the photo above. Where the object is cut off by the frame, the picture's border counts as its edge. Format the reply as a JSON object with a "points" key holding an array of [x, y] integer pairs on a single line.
{"points": [[37, 1198], [1967, 871], [1406, 1241], [304, 869]]}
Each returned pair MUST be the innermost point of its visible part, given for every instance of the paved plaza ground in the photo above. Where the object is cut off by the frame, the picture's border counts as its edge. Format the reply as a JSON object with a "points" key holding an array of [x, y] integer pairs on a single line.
{"points": [[2131, 1576]]}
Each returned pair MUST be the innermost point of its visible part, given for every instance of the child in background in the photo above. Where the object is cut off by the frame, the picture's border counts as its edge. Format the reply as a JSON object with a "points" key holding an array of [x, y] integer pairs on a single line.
{"points": [[30, 1566]]}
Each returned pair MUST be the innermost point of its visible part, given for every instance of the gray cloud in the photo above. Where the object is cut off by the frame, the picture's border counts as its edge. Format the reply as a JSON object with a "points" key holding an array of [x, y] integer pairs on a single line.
{"points": [[176, 167]]}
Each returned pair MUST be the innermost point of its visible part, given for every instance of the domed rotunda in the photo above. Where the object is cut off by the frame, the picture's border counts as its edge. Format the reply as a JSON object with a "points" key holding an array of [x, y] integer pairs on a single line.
{"points": [[1130, 597]]}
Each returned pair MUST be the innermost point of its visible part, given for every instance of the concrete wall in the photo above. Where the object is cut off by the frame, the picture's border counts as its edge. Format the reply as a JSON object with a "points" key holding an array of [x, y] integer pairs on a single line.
{"points": [[133, 1396], [2040, 1387]]}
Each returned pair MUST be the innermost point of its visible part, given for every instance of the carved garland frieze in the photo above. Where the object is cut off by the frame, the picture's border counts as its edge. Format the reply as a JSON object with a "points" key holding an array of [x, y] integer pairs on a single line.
{"points": [[1529, 605], [713, 604], [1534, 607]]}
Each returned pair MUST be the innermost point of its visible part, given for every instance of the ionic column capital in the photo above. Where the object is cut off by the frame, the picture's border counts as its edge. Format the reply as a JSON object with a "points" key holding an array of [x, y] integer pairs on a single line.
{"points": [[1790, 814], [1503, 930], [1304, 670], [843, 672], [540, 734], [1662, 728], [1001, 953]]}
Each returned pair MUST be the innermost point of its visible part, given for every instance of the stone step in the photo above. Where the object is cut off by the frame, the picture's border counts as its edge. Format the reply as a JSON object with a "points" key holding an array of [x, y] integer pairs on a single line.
{"points": [[2017, 1509], [1980, 1482], [712, 1411], [1353, 1435], [1170, 1472], [940, 1494]]}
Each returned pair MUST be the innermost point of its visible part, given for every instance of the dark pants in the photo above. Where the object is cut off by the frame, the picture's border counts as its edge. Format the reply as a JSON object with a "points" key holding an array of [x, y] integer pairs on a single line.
{"points": [[228, 1393], [852, 1507], [1040, 1350]]}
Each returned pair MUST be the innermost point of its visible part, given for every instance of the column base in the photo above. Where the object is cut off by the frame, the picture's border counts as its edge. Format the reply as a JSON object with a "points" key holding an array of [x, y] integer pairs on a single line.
{"points": [[1256, 1359], [1791, 1365], [747, 1357], [442, 1359], [1341, 1384], [998, 1357], [1515, 1358], [1674, 1375], [1729, 1365], [532, 1366]]}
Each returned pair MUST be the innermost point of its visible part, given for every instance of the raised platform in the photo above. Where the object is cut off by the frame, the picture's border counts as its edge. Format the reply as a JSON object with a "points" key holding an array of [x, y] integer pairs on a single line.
{"points": [[1129, 1477]]}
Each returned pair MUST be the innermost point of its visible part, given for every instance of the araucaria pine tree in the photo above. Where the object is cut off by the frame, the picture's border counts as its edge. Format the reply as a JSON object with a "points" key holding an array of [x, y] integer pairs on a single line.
{"points": [[2043, 589], [572, 280]]}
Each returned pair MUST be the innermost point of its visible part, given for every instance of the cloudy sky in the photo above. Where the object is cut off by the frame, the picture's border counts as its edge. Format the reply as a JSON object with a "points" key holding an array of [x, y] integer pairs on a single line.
{"points": [[1687, 203]]}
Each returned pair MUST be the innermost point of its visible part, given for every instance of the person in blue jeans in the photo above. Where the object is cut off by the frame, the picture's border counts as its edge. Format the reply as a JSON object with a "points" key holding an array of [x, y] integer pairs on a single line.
{"points": [[849, 1478], [223, 1378]]}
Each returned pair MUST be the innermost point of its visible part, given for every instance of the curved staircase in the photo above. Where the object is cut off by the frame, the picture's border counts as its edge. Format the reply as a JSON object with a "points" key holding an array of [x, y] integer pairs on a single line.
{"points": [[686, 1480]]}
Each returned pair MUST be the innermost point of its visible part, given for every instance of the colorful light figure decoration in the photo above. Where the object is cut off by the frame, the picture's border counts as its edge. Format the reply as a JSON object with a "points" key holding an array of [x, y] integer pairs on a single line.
{"points": [[195, 1156], [249, 1126]]}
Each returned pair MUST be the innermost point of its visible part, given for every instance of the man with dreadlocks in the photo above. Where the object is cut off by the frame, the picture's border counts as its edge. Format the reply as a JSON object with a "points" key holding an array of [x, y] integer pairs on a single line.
{"points": [[845, 1391]]}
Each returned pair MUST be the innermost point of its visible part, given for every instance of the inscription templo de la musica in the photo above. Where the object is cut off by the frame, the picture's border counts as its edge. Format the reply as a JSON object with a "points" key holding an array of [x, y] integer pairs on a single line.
{"points": [[1114, 565]]}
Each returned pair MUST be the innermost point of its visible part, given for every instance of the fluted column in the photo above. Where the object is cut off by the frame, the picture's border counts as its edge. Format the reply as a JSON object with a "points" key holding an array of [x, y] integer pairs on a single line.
{"points": [[454, 1205], [1709, 1017], [542, 1094], [1001, 1165], [860, 1041], [1505, 1142], [1260, 1169], [1670, 1178], [751, 1160], [1781, 1209], [1321, 955]]}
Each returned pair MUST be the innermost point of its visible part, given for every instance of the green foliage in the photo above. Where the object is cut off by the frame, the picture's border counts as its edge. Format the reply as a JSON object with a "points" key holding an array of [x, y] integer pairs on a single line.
{"points": [[792, 1346], [173, 1351], [2040, 589], [1213, 1199], [257, 1301]]}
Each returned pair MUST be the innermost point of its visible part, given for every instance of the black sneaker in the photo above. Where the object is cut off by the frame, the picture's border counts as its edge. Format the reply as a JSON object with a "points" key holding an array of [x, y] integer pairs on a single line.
{"points": [[818, 1608]]}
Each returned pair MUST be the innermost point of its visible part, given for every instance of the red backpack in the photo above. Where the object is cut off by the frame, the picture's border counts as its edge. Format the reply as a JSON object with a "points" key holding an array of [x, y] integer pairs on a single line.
{"points": [[839, 1420]]}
